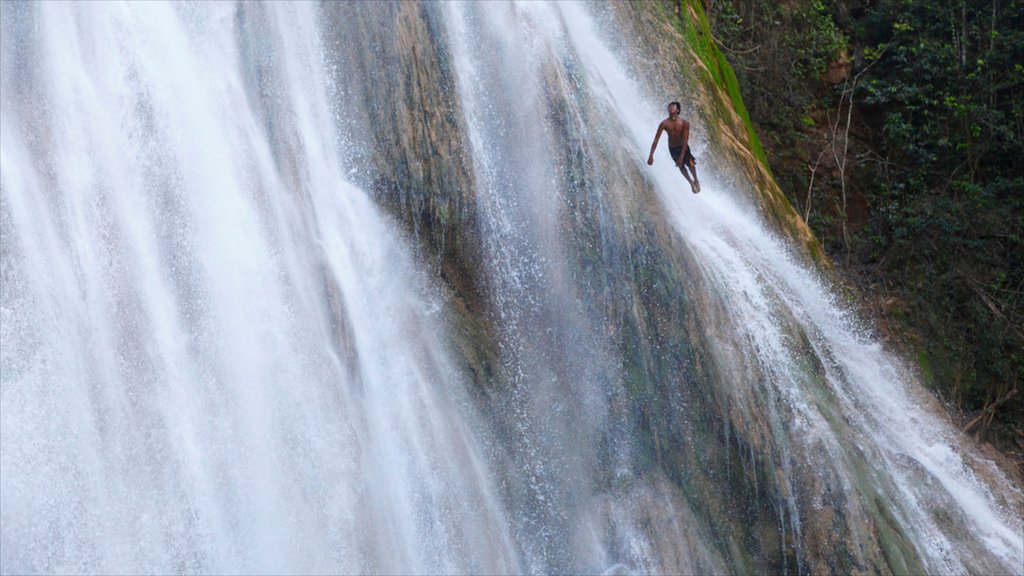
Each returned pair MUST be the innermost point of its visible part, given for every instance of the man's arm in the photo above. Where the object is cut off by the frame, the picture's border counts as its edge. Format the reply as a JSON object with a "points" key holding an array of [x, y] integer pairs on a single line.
{"points": [[661, 128]]}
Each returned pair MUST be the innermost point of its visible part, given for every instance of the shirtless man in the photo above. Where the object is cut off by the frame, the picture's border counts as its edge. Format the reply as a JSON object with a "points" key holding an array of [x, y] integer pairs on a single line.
{"points": [[678, 144]]}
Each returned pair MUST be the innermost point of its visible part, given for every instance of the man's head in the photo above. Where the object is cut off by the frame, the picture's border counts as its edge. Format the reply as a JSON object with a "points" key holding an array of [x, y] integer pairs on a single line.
{"points": [[673, 108]]}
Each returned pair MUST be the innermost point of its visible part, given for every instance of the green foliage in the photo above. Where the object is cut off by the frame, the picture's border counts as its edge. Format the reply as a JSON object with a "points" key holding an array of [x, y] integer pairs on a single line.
{"points": [[947, 84], [817, 41], [936, 157], [778, 51]]}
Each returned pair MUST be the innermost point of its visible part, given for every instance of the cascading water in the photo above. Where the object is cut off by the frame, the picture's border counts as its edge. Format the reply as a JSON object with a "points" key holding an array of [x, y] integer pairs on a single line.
{"points": [[219, 354]]}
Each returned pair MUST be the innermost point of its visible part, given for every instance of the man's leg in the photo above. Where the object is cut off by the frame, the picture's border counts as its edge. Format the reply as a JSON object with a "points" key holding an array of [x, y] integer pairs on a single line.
{"points": [[695, 184], [687, 176]]}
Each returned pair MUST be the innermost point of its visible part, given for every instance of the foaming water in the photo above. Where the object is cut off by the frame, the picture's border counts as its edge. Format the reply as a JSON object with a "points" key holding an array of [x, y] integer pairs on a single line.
{"points": [[217, 356]]}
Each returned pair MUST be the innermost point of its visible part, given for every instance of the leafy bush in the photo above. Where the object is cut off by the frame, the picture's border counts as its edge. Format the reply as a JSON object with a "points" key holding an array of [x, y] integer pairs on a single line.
{"points": [[935, 157]]}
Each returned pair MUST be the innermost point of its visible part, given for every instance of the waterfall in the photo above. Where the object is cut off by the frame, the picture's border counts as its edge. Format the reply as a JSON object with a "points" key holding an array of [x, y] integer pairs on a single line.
{"points": [[389, 288], [218, 355]]}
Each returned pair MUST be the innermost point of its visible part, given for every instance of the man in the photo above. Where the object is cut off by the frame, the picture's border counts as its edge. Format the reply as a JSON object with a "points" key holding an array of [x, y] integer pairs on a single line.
{"points": [[678, 144]]}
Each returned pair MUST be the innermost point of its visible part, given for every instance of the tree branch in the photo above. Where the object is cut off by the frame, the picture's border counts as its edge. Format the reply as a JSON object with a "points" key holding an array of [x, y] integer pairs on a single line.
{"points": [[989, 411]]}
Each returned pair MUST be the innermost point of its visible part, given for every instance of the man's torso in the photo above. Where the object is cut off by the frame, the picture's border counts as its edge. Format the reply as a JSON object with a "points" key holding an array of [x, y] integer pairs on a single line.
{"points": [[675, 130]]}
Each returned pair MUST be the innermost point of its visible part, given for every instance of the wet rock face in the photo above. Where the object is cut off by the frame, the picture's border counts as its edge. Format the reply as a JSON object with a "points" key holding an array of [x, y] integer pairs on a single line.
{"points": [[628, 268], [402, 122]]}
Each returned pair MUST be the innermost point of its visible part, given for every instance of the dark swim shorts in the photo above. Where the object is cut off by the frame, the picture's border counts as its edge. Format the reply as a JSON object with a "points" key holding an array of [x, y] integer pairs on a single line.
{"points": [[688, 158]]}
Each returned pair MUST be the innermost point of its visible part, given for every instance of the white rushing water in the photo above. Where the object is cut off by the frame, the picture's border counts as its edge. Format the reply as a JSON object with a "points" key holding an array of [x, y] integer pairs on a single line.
{"points": [[218, 355]]}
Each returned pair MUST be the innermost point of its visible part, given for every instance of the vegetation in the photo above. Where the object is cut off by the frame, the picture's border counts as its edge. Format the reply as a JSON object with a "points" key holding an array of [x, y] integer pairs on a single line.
{"points": [[721, 72], [896, 127]]}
